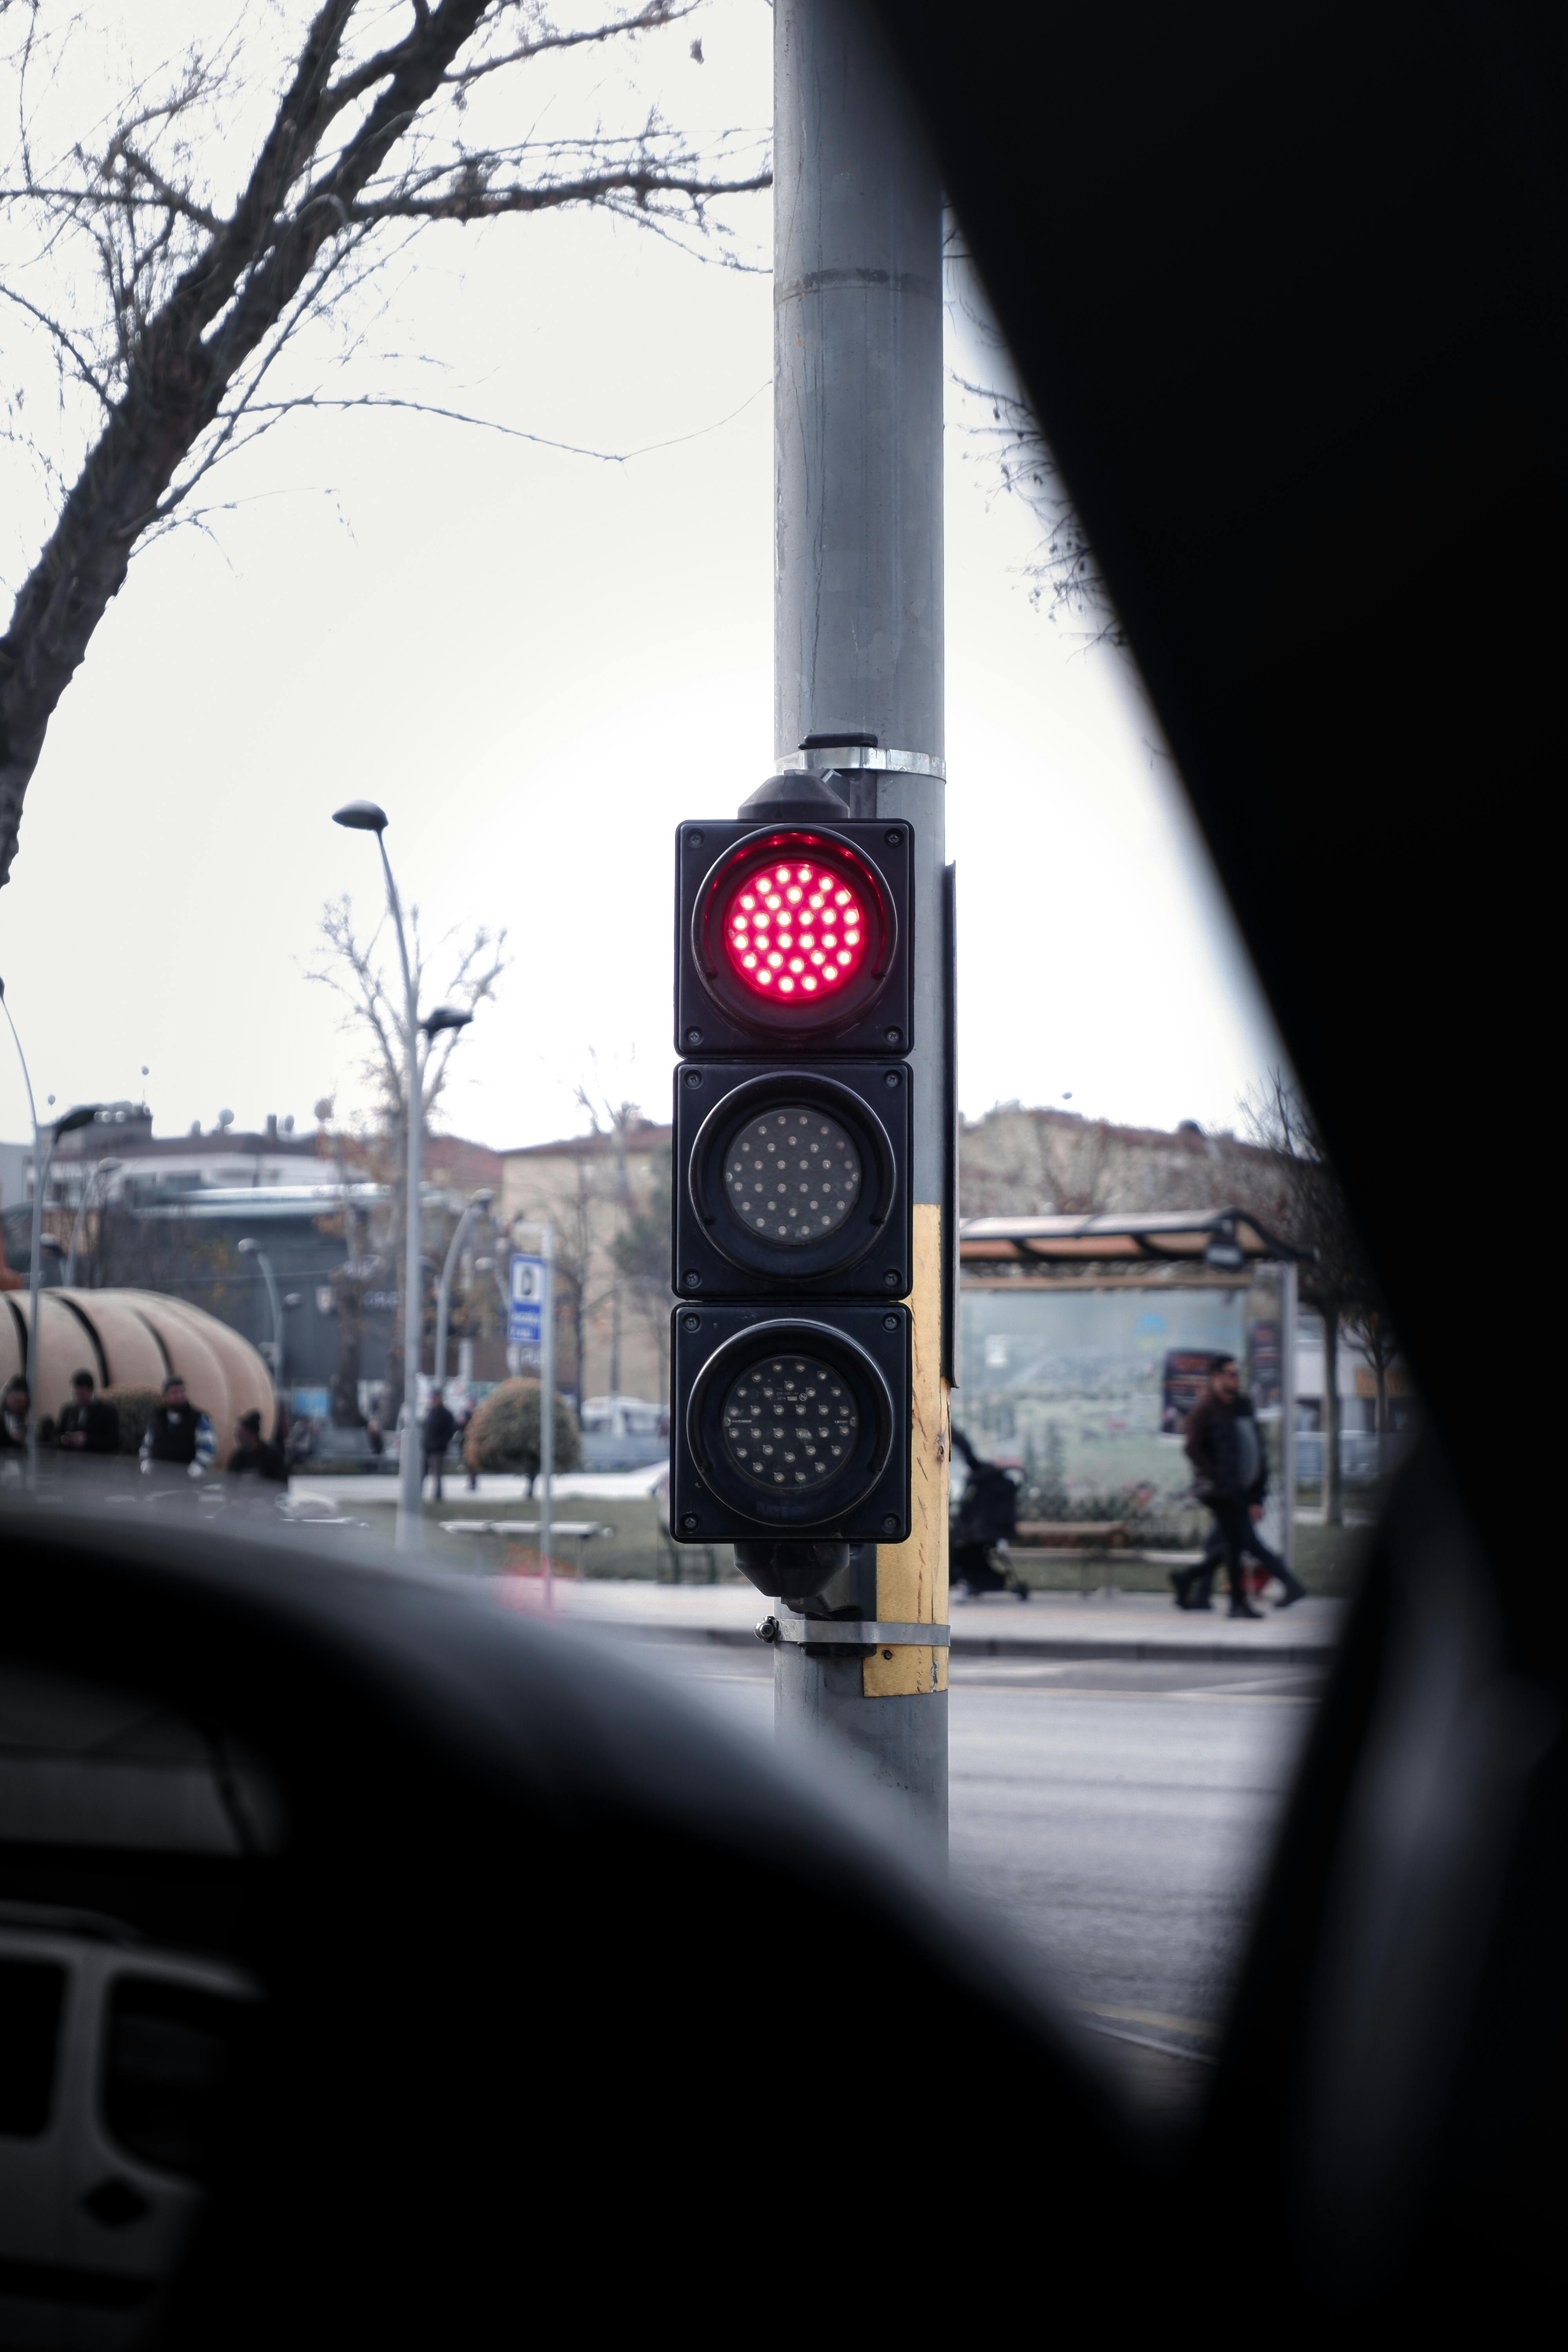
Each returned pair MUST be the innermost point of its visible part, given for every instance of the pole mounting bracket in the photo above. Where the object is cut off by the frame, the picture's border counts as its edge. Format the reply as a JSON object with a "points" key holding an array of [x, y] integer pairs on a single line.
{"points": [[853, 1633]]}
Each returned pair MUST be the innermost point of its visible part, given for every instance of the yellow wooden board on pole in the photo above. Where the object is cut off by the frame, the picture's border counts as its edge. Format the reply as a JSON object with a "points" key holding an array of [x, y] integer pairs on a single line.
{"points": [[911, 1578]]}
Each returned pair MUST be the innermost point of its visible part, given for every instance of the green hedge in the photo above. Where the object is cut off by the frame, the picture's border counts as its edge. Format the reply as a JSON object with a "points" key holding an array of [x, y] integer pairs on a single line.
{"points": [[504, 1431]]}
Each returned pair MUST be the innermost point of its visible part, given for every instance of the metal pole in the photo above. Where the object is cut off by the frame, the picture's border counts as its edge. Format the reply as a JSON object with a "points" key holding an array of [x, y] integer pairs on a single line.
{"points": [[858, 677], [37, 1250], [546, 1403], [254, 1250], [43, 1160], [265, 1263], [1289, 1307], [411, 1467]]}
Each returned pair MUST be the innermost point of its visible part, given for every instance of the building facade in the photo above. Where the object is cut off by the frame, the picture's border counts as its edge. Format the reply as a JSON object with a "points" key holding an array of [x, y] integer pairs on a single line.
{"points": [[606, 1196]]}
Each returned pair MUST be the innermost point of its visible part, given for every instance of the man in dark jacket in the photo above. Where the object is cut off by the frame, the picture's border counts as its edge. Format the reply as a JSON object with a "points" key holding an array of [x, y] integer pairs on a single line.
{"points": [[87, 1426], [1226, 1450], [179, 1436], [440, 1428], [253, 1454]]}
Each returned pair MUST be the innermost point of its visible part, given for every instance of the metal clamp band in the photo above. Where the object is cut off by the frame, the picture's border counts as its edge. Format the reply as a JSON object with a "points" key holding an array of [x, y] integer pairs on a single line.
{"points": [[852, 1633], [862, 755]]}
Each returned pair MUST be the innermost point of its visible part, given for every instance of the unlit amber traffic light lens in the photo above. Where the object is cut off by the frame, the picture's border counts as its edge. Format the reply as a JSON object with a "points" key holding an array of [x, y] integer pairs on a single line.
{"points": [[792, 1175], [794, 931], [790, 1425]]}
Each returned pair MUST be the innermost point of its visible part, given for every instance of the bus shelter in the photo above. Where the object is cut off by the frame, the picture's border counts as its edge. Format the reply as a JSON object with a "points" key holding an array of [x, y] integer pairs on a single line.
{"points": [[1084, 1340]]}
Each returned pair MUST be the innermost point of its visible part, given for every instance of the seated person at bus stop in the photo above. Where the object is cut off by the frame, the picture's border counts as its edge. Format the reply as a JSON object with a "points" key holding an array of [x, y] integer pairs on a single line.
{"points": [[87, 1426], [179, 1436], [254, 1454]]}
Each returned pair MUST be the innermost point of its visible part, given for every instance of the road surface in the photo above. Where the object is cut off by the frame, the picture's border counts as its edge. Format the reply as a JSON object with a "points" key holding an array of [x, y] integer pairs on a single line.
{"points": [[1116, 1817]]}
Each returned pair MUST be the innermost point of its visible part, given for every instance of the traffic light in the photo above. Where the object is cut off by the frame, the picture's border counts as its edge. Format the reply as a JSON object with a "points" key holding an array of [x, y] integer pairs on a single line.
{"points": [[793, 1239]]}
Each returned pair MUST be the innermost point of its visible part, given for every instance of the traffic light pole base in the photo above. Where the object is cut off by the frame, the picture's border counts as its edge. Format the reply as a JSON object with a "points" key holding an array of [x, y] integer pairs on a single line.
{"points": [[896, 1745]]}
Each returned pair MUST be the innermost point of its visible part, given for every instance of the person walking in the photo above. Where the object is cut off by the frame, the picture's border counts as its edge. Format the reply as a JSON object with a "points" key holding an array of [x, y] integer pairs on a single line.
{"points": [[1226, 1450], [179, 1436], [87, 1426], [253, 1454], [440, 1429]]}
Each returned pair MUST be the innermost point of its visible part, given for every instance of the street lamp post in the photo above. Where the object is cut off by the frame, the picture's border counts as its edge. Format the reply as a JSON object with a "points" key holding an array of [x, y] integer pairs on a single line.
{"points": [[366, 816], [43, 1157], [248, 1248], [104, 1168], [482, 1200]]}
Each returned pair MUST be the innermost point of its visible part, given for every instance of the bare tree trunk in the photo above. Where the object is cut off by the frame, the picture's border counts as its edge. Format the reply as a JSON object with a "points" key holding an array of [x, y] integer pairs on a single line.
{"points": [[1333, 1506]]}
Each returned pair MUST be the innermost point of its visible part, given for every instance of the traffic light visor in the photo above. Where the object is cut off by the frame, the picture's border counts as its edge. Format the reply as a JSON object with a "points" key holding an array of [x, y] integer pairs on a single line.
{"points": [[794, 931]]}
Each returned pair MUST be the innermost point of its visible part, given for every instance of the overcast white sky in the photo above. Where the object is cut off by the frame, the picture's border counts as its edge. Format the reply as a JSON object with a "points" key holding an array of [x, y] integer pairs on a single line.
{"points": [[538, 664]]}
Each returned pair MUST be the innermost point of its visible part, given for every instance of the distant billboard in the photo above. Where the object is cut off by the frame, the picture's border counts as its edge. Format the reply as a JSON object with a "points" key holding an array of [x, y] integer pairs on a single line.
{"points": [[1263, 1371], [1186, 1378]]}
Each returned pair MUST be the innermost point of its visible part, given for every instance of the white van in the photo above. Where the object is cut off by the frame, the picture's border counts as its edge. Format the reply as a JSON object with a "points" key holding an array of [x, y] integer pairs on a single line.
{"points": [[112, 2060]]}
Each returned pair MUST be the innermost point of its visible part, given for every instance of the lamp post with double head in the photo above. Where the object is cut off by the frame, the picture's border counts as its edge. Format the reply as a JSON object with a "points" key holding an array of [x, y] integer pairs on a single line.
{"points": [[366, 816]]}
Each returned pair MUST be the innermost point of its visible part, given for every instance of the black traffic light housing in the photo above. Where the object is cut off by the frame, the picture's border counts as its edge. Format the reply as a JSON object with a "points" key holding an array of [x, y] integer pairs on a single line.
{"points": [[792, 1237], [736, 1235], [790, 1426], [717, 1012]]}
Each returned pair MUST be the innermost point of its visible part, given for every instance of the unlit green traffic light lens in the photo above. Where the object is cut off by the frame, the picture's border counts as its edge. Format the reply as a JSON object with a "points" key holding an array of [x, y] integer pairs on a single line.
{"points": [[791, 1176], [790, 1425]]}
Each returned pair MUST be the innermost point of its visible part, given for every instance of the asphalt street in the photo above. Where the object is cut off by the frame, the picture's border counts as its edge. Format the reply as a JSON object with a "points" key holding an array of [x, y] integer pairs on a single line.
{"points": [[1116, 1817]]}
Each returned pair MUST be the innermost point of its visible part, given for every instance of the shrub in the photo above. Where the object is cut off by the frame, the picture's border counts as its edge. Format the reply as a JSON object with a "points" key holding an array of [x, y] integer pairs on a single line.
{"points": [[135, 1408], [504, 1432]]}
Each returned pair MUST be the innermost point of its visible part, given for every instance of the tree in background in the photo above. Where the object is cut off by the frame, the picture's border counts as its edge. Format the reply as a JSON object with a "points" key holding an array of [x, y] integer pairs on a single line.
{"points": [[174, 324], [1337, 1280], [504, 1433], [1062, 573], [641, 1252], [352, 965]]}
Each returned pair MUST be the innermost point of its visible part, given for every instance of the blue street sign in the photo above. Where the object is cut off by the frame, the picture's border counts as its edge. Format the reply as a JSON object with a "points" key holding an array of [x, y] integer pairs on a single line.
{"points": [[527, 1300]]}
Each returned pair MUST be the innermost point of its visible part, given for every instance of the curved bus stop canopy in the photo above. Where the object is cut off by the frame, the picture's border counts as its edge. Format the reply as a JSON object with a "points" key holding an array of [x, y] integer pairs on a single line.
{"points": [[1225, 1239]]}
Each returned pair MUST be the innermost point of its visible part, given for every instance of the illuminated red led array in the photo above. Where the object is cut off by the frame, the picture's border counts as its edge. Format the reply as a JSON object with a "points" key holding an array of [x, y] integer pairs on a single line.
{"points": [[795, 929]]}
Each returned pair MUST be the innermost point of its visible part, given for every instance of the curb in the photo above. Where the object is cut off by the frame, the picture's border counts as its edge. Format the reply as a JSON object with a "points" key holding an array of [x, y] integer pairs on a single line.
{"points": [[1153, 1652], [1058, 1646]]}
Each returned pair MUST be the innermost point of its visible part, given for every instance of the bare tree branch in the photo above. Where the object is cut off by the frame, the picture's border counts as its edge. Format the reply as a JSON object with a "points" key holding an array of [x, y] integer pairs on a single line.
{"points": [[367, 144]]}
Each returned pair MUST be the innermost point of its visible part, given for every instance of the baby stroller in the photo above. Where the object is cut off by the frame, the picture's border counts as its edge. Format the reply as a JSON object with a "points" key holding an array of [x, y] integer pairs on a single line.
{"points": [[986, 1523]]}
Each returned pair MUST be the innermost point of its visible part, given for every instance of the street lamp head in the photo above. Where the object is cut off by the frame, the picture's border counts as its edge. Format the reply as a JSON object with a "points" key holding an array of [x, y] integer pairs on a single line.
{"points": [[83, 1116], [361, 816], [247, 1248], [446, 1016], [482, 1198]]}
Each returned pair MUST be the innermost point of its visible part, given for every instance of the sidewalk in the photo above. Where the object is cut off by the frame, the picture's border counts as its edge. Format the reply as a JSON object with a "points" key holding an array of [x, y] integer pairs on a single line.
{"points": [[350, 1486], [1125, 1625]]}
